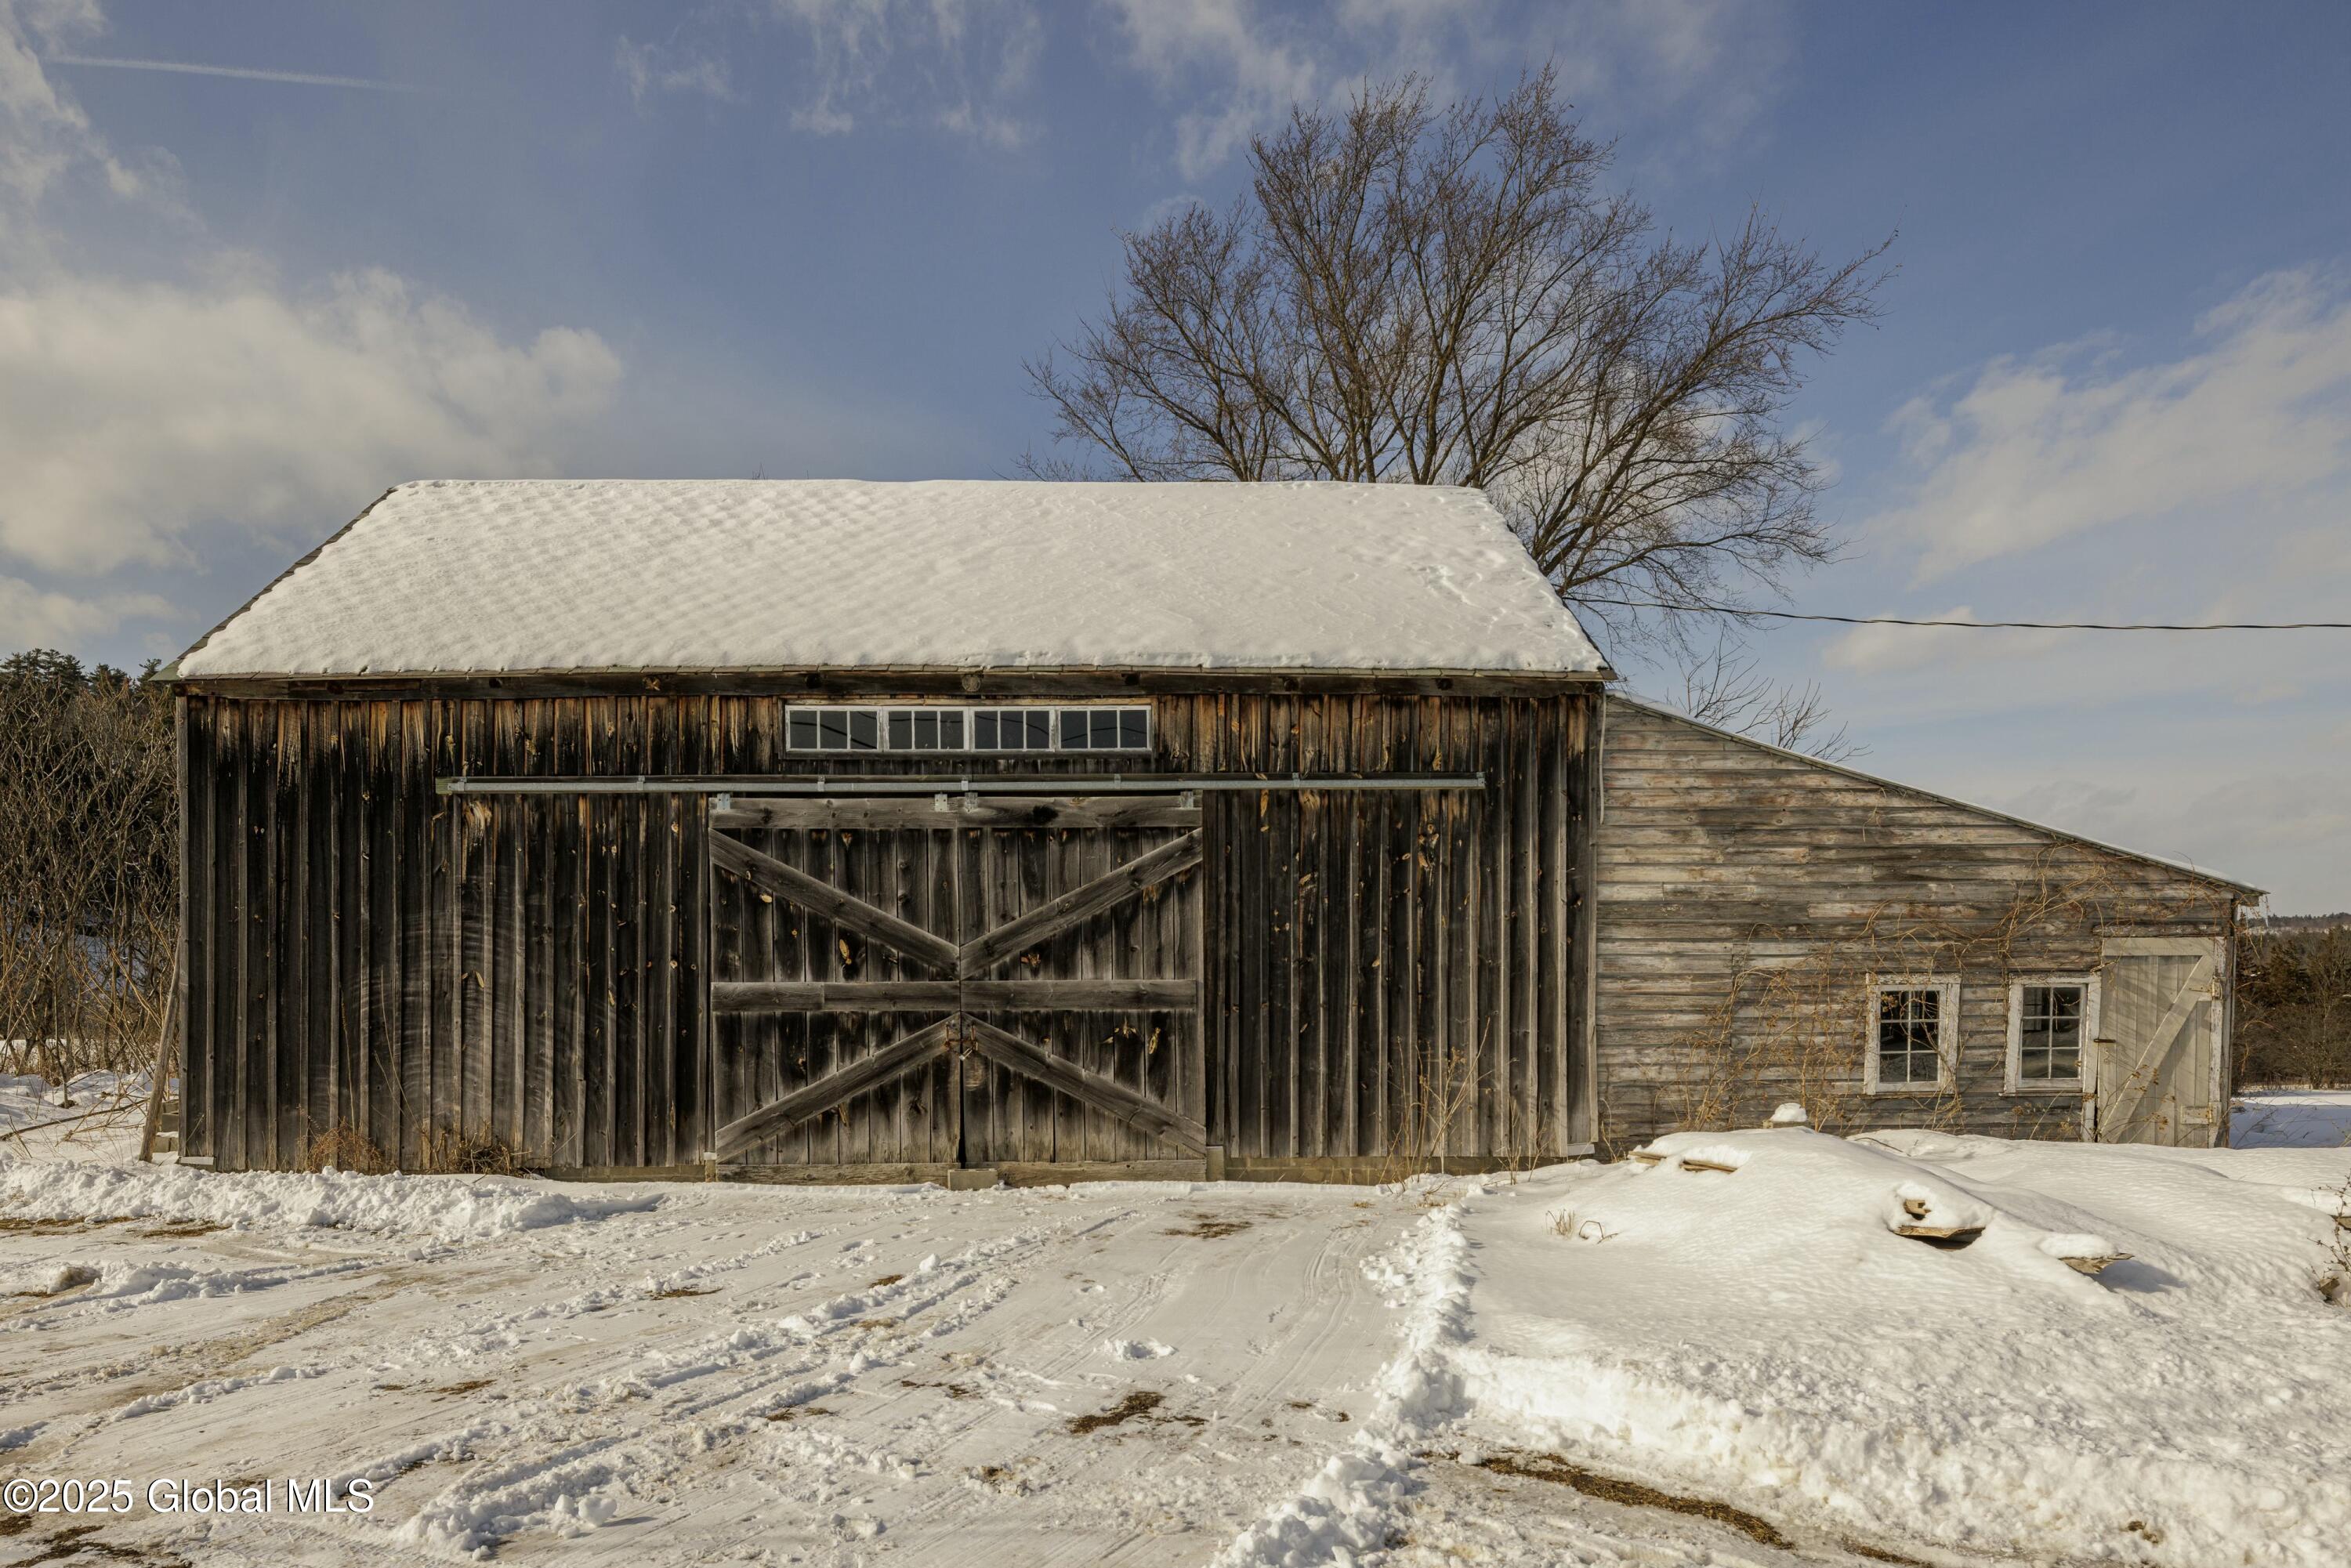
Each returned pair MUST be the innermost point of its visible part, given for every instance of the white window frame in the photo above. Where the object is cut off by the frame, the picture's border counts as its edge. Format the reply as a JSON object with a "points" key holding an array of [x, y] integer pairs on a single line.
{"points": [[1946, 1032], [2013, 1081], [969, 713]]}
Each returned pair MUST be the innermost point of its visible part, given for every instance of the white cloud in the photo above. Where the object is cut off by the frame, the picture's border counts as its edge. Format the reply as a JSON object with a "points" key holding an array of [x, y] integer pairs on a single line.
{"points": [[32, 616], [1686, 72], [133, 415], [651, 69], [1884, 650], [1693, 75], [1250, 76], [148, 422], [963, 67], [2040, 449], [45, 137]]}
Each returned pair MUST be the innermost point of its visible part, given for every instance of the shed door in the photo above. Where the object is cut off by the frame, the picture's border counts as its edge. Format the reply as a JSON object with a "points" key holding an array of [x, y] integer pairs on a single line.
{"points": [[910, 982], [2160, 1041]]}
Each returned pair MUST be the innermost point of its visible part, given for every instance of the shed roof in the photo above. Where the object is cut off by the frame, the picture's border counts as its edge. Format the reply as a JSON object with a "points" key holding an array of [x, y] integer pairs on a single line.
{"points": [[449, 577]]}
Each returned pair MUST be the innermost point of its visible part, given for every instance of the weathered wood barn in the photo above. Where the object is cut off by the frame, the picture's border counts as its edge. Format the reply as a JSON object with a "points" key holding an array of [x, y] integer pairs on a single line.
{"points": [[836, 831], [1775, 927]]}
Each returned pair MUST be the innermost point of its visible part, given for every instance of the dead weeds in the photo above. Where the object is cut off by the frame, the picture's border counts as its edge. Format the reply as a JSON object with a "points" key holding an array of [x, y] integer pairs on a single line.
{"points": [[1632, 1494]]}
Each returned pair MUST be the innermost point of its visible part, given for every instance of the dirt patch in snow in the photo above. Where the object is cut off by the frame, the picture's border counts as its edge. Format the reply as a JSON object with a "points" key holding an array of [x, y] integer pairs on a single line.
{"points": [[1210, 1227], [14, 1227], [1633, 1494], [1142, 1402], [74, 1540]]}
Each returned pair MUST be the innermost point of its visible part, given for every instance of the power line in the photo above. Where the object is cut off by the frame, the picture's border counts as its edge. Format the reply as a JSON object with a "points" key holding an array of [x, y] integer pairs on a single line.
{"points": [[1989, 625]]}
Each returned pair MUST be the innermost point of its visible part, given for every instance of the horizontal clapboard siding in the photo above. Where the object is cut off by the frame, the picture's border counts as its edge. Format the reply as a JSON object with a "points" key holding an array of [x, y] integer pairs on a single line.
{"points": [[1746, 896]]}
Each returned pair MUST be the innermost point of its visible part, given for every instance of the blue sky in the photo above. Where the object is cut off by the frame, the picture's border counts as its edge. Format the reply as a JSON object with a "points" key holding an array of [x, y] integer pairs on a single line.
{"points": [[817, 237]]}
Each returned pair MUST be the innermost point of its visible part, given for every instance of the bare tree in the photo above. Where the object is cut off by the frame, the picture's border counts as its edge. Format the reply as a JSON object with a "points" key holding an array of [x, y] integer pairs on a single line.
{"points": [[1451, 296], [1725, 688], [89, 871]]}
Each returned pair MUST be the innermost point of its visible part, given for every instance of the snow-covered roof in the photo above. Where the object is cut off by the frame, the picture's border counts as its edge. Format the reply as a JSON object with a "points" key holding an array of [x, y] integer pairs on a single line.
{"points": [[502, 576]]}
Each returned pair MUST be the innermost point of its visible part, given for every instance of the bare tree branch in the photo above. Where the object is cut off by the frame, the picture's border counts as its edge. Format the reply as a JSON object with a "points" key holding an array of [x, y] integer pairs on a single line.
{"points": [[1451, 296]]}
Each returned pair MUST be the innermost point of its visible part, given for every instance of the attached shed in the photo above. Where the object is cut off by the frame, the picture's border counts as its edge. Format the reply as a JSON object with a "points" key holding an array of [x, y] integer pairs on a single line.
{"points": [[1775, 927], [845, 831]]}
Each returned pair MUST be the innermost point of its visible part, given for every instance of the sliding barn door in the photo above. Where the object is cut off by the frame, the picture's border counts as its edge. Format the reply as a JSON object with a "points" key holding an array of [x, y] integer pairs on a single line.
{"points": [[2161, 1018], [903, 982], [1082, 964], [833, 992]]}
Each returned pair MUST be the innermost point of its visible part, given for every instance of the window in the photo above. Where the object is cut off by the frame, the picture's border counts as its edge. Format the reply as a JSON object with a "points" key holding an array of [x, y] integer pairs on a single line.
{"points": [[2051, 1022], [1089, 728], [1912, 1023], [1012, 729]]}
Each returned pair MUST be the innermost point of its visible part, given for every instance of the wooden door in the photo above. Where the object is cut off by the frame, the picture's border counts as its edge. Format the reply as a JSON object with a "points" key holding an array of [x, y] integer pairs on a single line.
{"points": [[832, 992], [1080, 959], [921, 982], [2158, 1045]]}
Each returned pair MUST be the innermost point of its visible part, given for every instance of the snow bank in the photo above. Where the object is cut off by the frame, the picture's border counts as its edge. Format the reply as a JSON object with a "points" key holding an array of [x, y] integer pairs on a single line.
{"points": [[1769, 1333], [1349, 1506], [446, 1208]]}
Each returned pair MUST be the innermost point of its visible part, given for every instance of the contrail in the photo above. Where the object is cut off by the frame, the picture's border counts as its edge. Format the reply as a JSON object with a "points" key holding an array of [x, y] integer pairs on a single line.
{"points": [[243, 73]]}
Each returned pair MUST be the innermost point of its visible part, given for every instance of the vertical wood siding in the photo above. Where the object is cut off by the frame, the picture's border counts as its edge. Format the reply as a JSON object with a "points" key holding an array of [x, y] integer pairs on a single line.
{"points": [[1747, 897], [1385, 976]]}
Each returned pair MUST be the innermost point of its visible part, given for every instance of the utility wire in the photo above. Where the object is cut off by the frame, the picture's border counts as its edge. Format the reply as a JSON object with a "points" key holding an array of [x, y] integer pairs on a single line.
{"points": [[1987, 625]]}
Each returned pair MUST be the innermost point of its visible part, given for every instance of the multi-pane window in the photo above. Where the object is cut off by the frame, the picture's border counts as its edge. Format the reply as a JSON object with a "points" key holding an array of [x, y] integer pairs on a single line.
{"points": [[2050, 1021], [1912, 1021], [1094, 728]]}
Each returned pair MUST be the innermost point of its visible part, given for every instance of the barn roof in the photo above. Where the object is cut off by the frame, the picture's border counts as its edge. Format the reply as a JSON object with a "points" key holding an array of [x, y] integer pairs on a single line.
{"points": [[449, 577]]}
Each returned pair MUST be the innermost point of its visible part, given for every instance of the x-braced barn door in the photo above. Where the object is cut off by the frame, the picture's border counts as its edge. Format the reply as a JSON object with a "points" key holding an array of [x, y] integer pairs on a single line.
{"points": [[919, 981]]}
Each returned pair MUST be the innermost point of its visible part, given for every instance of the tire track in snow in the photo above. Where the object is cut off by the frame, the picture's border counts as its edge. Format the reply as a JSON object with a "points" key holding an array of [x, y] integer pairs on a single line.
{"points": [[571, 1487]]}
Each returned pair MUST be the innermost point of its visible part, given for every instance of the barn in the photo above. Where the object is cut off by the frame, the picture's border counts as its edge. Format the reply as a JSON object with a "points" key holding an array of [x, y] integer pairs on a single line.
{"points": [[977, 830], [843, 831]]}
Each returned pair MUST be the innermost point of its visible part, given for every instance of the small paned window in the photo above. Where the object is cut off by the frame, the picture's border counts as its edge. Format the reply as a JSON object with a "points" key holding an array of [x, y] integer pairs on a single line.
{"points": [[838, 729], [933, 728], [1014, 730], [1912, 1035], [2050, 1022]]}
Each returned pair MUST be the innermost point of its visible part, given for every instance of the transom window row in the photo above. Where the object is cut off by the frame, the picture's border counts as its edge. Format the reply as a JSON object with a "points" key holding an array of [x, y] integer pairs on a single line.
{"points": [[1092, 727]]}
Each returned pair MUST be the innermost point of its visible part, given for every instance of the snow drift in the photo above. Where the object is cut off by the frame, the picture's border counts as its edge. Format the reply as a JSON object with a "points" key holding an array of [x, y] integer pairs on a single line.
{"points": [[444, 1208], [1769, 1331]]}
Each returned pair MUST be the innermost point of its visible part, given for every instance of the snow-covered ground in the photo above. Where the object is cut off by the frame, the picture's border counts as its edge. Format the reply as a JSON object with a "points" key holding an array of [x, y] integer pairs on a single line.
{"points": [[2293, 1119], [1653, 1364]]}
